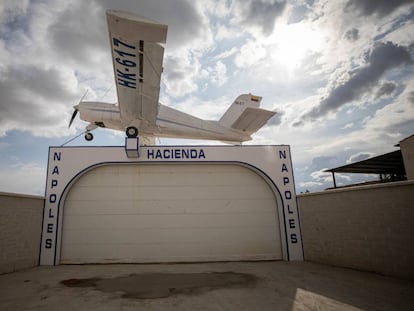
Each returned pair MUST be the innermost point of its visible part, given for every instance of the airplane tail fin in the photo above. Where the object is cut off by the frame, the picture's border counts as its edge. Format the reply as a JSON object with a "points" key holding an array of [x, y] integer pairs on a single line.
{"points": [[245, 115]]}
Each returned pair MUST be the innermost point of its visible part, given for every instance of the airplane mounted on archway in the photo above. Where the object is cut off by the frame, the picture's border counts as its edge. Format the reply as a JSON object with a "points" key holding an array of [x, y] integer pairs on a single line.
{"points": [[137, 46]]}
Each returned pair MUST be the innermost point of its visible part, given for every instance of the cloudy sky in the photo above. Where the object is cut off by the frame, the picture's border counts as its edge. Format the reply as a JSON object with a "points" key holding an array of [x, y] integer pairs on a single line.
{"points": [[339, 74]]}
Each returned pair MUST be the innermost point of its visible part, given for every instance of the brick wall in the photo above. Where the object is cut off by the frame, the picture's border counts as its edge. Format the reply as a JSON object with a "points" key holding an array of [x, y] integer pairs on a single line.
{"points": [[20, 229], [368, 228]]}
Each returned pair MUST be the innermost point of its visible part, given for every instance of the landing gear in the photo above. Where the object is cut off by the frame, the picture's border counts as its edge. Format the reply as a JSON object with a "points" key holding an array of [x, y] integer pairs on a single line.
{"points": [[88, 136], [89, 128], [131, 132]]}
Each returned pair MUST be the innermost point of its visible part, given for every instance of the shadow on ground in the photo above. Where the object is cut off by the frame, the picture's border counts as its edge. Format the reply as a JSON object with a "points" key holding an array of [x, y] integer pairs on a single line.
{"points": [[162, 285]]}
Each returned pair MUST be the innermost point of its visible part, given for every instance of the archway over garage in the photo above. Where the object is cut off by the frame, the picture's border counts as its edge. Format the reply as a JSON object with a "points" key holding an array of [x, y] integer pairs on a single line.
{"points": [[140, 213]]}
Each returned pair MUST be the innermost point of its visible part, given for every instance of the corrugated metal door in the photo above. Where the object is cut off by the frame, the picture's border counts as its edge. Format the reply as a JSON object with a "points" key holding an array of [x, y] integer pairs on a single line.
{"points": [[170, 213]]}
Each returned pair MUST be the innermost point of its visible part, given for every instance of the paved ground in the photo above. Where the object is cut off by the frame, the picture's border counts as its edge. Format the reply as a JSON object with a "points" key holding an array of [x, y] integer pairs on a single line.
{"points": [[209, 286]]}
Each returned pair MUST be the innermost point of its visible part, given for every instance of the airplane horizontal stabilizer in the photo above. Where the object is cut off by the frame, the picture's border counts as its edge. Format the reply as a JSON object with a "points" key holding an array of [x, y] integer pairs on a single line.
{"points": [[252, 119]]}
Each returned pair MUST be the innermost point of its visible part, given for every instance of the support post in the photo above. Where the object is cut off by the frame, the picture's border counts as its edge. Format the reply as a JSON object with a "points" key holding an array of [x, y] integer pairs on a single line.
{"points": [[333, 177], [132, 147]]}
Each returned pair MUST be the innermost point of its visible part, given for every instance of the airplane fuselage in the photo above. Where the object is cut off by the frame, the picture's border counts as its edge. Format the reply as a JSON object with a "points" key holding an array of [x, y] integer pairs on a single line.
{"points": [[169, 123]]}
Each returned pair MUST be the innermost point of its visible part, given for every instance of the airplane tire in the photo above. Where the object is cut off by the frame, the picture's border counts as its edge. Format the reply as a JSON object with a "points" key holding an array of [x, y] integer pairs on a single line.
{"points": [[131, 132], [88, 136]]}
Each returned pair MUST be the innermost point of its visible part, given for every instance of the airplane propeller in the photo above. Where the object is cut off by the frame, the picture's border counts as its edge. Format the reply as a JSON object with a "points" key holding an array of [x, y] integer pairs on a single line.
{"points": [[73, 115], [76, 109]]}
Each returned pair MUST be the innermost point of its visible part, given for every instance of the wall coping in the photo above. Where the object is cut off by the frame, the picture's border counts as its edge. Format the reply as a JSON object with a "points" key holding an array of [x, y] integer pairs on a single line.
{"points": [[360, 188], [21, 195]]}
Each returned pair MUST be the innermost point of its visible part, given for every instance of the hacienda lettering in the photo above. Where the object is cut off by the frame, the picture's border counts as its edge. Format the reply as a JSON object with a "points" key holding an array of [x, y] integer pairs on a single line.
{"points": [[188, 153]]}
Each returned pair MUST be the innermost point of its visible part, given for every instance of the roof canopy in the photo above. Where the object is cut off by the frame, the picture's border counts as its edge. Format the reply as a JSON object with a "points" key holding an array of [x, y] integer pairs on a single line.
{"points": [[389, 163]]}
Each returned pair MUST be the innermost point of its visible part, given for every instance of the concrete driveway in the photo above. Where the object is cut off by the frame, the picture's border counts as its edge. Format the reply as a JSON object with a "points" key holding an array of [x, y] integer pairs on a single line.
{"points": [[206, 286]]}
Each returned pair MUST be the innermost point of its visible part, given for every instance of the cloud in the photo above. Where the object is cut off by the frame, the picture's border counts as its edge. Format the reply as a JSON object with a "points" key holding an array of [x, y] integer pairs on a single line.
{"points": [[386, 89], [204, 109], [48, 83], [76, 34], [276, 119], [218, 73], [352, 34], [326, 177], [321, 176], [298, 12], [410, 97], [28, 177], [12, 16], [13, 7], [377, 132], [294, 53], [320, 163], [185, 22], [375, 7], [261, 14], [180, 74], [360, 156], [32, 99], [384, 56], [347, 126], [226, 54], [51, 51], [250, 53], [40, 75], [395, 117], [310, 184]]}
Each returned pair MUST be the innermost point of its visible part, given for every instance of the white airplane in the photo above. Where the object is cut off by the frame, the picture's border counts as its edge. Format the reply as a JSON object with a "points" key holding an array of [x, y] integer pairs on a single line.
{"points": [[137, 55]]}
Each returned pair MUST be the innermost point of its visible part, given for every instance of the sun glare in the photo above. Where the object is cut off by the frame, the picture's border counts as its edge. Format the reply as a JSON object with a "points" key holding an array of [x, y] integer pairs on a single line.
{"points": [[292, 43]]}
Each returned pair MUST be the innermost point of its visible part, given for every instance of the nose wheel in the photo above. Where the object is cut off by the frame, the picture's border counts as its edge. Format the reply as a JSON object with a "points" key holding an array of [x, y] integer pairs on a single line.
{"points": [[131, 132], [88, 136]]}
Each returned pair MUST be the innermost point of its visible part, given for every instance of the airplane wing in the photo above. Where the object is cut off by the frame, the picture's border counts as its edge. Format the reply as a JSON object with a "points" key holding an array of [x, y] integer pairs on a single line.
{"points": [[137, 55]]}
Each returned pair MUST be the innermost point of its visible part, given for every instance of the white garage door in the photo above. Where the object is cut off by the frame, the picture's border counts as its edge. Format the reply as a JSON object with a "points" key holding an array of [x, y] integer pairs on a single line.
{"points": [[170, 213]]}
